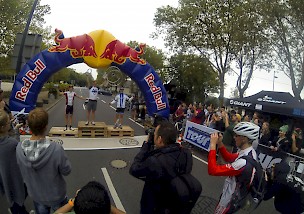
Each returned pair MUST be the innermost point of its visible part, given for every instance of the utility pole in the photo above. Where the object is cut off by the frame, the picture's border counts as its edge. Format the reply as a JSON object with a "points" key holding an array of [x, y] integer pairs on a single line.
{"points": [[274, 76], [25, 32]]}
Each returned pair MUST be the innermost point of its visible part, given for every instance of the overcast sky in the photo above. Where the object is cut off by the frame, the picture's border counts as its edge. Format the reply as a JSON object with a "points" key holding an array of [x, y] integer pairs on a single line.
{"points": [[133, 20]]}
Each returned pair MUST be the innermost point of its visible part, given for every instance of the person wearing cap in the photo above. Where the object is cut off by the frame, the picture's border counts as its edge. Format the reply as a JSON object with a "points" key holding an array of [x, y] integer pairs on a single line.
{"points": [[237, 168], [281, 142], [92, 103], [69, 103], [121, 100], [228, 139]]}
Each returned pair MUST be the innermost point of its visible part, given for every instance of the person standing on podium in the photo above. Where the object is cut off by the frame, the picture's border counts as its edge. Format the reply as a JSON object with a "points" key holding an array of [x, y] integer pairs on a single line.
{"points": [[92, 104], [69, 103], [121, 100]]}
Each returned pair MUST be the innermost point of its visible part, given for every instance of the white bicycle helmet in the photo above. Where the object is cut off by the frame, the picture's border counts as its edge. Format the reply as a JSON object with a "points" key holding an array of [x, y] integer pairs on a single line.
{"points": [[247, 129]]}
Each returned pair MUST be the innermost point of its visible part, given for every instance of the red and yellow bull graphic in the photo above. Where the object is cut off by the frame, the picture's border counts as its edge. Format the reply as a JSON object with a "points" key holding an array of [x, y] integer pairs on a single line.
{"points": [[98, 49], [118, 52], [79, 46], [97, 54]]}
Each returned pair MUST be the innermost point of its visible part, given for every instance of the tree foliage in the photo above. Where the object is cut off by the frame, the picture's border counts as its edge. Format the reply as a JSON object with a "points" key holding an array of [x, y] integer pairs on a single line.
{"points": [[13, 18], [67, 75], [193, 75], [223, 32], [286, 26]]}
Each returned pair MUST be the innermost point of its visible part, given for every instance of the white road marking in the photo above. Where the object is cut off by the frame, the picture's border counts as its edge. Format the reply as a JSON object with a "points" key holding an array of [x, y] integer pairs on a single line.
{"points": [[112, 190], [136, 122], [205, 162], [113, 107], [103, 101]]}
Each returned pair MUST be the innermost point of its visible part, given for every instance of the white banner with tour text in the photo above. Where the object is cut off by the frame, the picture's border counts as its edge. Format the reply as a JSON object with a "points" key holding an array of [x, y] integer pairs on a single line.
{"points": [[198, 135]]}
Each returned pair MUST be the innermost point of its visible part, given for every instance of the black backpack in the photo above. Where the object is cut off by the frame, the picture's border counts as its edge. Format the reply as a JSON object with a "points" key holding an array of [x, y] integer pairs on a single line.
{"points": [[183, 188], [249, 198]]}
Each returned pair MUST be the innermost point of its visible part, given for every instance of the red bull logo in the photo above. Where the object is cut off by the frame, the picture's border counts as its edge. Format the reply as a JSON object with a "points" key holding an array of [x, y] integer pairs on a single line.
{"points": [[156, 91], [29, 79], [118, 52], [79, 46]]}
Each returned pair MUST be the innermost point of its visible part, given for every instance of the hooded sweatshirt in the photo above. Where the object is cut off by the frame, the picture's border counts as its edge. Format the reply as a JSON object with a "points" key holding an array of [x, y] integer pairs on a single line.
{"points": [[43, 164]]}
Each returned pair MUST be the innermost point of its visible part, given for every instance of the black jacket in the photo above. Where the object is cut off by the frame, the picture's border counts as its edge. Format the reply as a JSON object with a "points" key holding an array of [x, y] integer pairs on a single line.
{"points": [[287, 198], [149, 166]]}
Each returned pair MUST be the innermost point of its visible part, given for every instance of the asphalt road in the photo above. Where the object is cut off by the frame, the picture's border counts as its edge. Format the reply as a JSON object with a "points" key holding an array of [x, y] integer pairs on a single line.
{"points": [[126, 190], [104, 112]]}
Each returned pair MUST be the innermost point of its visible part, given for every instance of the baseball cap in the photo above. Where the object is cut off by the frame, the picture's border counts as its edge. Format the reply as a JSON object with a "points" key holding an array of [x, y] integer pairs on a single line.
{"points": [[284, 128], [238, 116], [298, 131]]}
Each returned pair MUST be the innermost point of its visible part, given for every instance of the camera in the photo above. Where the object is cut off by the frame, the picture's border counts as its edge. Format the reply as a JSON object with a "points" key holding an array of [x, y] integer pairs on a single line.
{"points": [[22, 119], [157, 119]]}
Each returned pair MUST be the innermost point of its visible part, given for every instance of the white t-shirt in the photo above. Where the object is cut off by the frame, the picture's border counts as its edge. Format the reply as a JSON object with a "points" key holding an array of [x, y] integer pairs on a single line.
{"points": [[93, 93], [121, 99], [69, 97]]}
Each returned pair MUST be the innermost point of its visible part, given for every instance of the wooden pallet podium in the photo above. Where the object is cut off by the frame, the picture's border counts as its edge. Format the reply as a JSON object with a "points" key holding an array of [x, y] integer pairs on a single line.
{"points": [[60, 132], [100, 129], [125, 131], [97, 130]]}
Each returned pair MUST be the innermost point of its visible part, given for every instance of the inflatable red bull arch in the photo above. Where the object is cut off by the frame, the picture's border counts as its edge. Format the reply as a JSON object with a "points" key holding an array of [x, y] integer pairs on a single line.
{"points": [[97, 49]]}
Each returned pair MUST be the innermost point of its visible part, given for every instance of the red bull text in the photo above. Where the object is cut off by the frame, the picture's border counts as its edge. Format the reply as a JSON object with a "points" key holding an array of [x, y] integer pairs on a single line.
{"points": [[118, 52], [156, 91], [79, 46], [29, 79]]}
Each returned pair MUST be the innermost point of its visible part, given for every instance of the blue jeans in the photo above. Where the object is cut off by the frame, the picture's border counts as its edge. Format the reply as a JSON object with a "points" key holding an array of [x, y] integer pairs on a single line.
{"points": [[44, 209]]}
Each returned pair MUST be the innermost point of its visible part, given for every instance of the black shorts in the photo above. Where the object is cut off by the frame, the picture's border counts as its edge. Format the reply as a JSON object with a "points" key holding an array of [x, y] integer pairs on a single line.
{"points": [[69, 109], [120, 110]]}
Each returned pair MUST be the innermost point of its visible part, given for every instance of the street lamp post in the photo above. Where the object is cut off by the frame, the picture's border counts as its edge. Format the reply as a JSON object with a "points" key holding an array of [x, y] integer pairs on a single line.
{"points": [[19, 59], [274, 76]]}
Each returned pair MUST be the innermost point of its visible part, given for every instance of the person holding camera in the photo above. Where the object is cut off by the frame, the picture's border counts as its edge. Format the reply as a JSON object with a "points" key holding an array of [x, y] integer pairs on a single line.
{"points": [[240, 173], [159, 156]]}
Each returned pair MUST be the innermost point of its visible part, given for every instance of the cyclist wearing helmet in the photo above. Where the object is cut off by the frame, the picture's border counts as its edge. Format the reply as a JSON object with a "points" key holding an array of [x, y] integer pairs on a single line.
{"points": [[237, 168]]}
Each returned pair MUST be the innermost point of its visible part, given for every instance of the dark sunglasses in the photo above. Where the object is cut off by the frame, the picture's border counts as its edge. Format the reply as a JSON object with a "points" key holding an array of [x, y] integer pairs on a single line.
{"points": [[236, 135]]}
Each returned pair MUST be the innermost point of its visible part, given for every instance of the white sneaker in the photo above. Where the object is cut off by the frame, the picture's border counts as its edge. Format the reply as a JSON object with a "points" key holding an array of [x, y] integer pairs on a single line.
{"points": [[71, 128], [115, 125], [87, 123], [120, 126], [93, 123]]}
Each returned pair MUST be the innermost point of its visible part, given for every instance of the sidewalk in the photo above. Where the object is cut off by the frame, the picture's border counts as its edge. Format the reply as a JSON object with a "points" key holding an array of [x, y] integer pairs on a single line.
{"points": [[52, 101]]}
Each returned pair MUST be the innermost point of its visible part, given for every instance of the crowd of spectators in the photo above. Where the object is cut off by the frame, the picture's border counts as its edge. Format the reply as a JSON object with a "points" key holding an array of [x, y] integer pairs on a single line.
{"points": [[38, 158], [287, 138], [36, 167]]}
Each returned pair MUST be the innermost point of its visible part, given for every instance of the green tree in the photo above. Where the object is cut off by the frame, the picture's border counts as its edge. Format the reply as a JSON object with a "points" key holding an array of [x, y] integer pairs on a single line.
{"points": [[155, 57], [286, 26], [13, 18], [67, 75], [193, 75], [250, 47], [221, 31], [199, 26]]}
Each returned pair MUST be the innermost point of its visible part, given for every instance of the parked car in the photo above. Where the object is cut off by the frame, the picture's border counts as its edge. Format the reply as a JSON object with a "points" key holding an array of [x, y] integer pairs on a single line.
{"points": [[104, 92]]}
